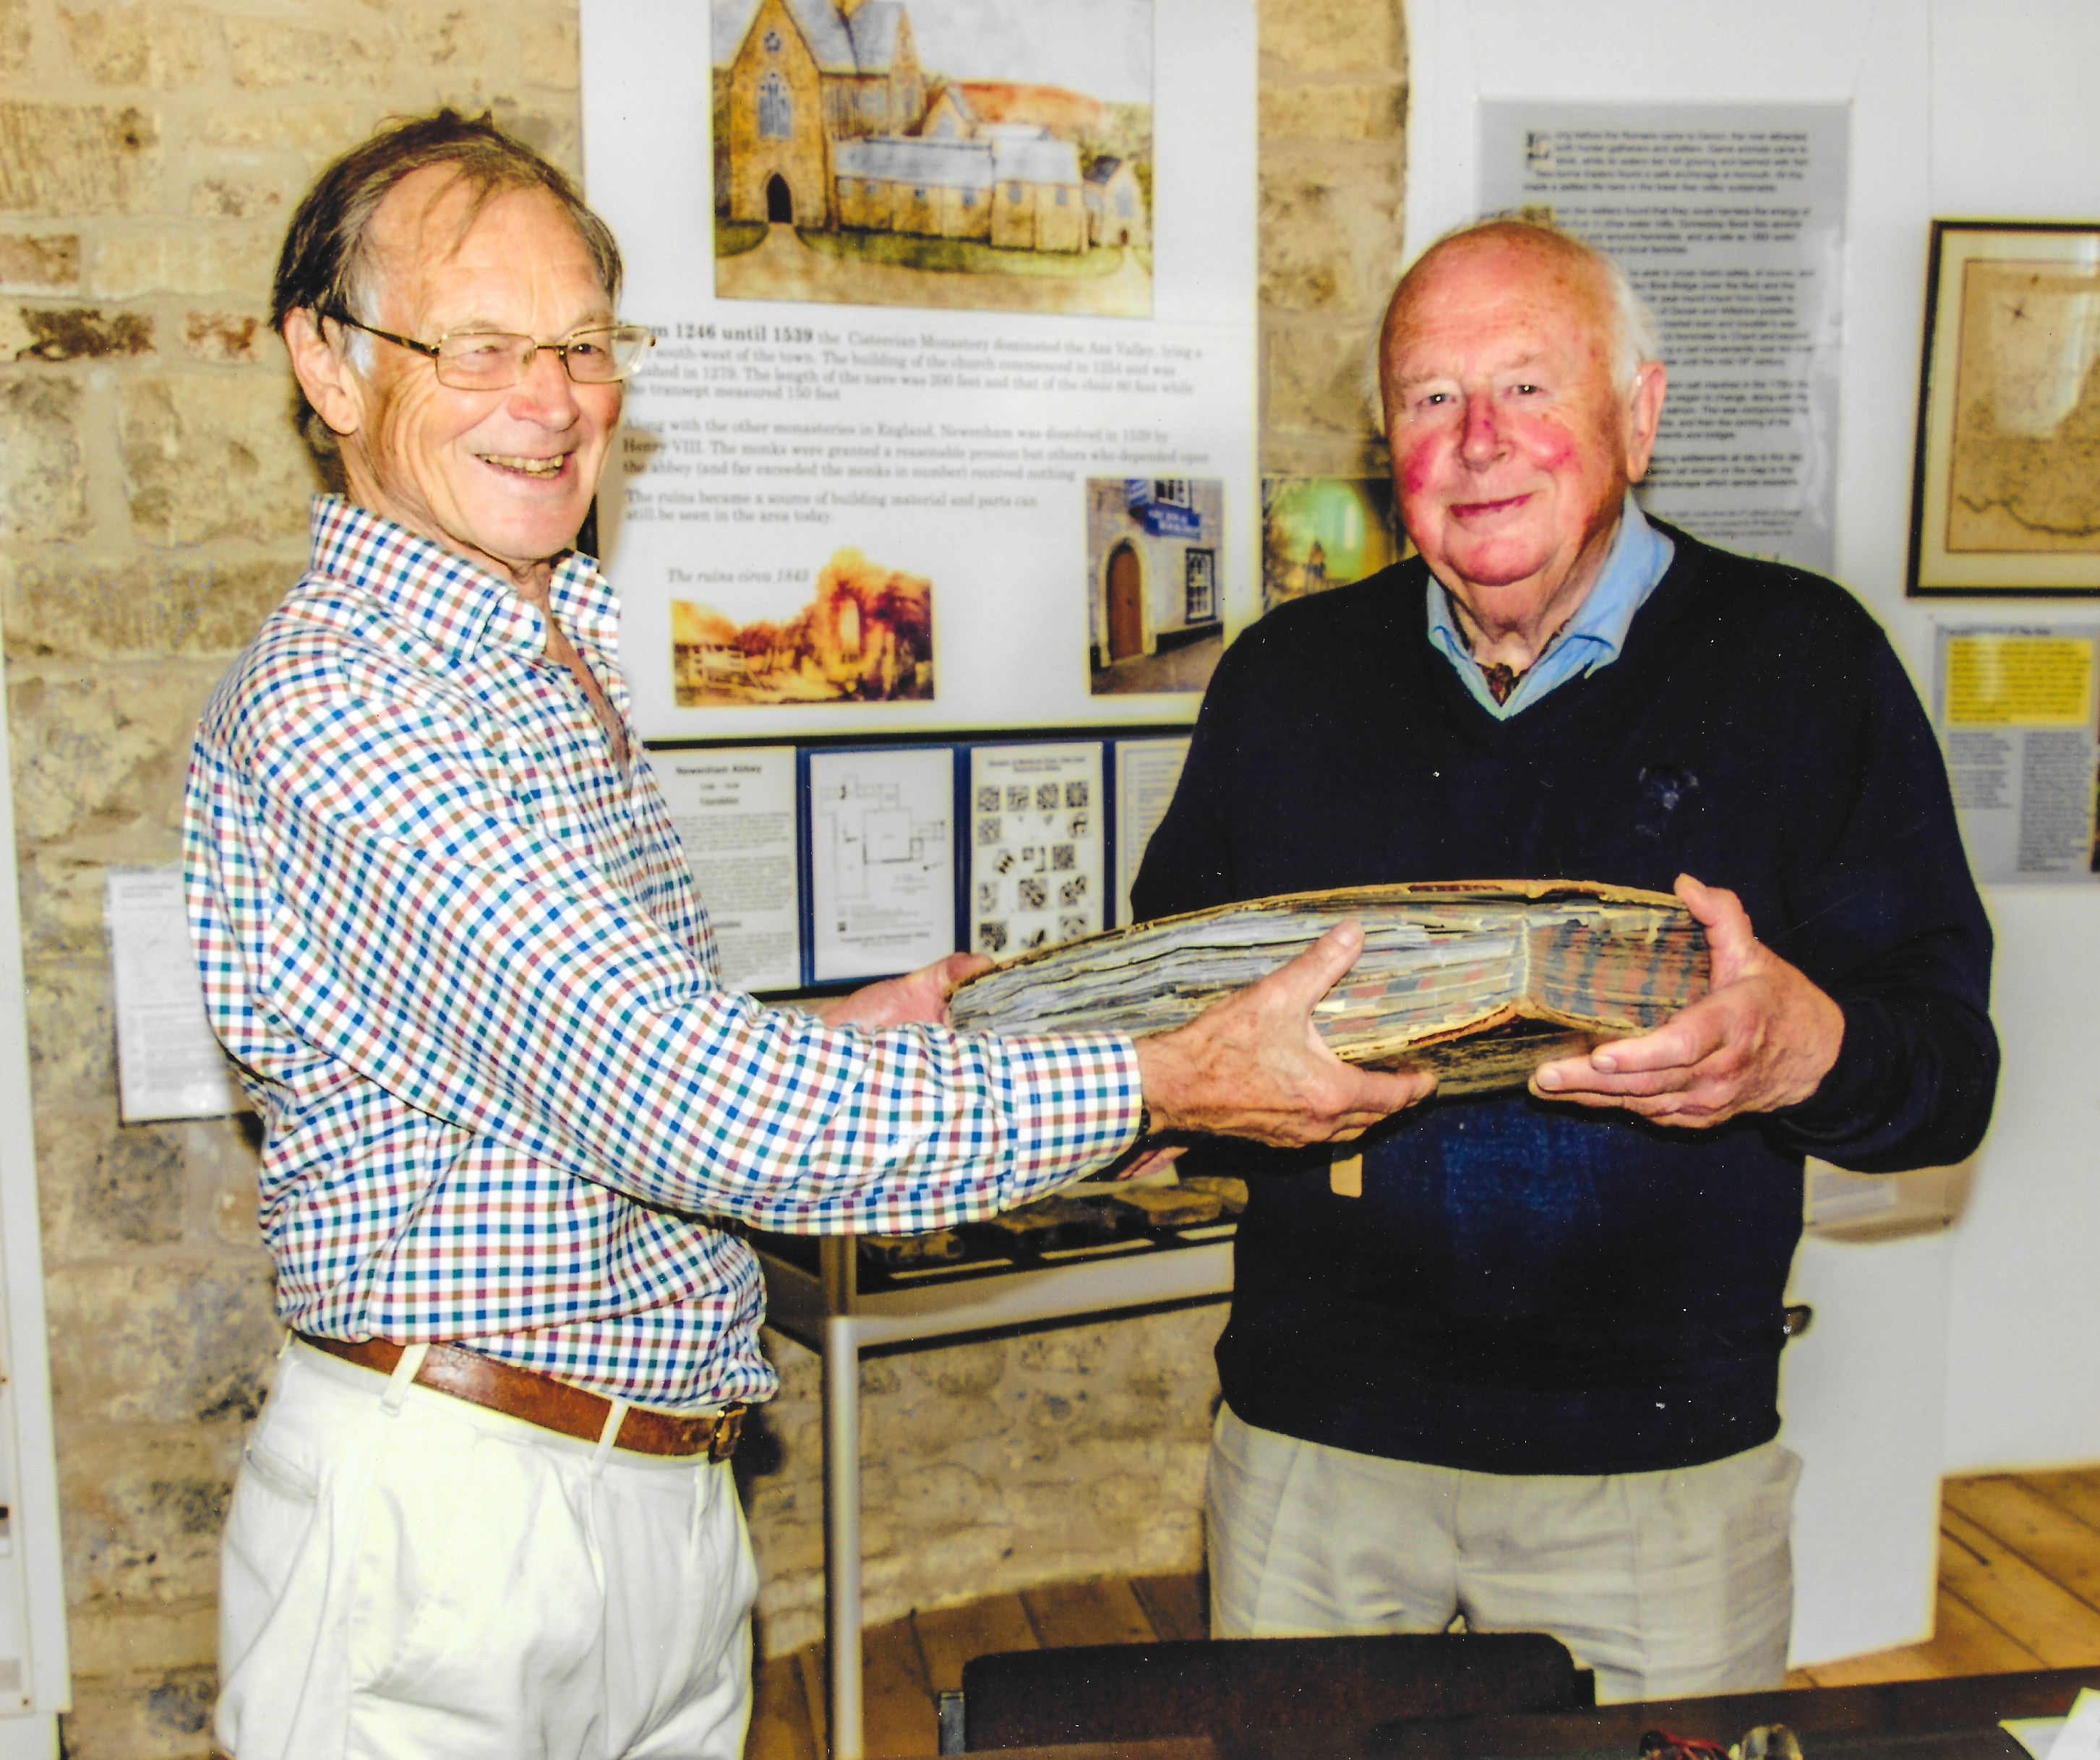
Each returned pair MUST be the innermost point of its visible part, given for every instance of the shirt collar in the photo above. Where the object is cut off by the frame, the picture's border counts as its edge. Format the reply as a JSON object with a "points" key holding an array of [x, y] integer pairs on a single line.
{"points": [[456, 604], [1634, 567]]}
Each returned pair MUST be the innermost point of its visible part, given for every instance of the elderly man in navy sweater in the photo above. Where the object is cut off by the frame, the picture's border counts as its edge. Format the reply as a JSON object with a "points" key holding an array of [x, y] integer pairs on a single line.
{"points": [[1522, 1364]]}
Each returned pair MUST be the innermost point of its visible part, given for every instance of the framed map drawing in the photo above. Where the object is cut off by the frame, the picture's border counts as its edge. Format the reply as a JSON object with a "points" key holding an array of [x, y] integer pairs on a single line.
{"points": [[2006, 500]]}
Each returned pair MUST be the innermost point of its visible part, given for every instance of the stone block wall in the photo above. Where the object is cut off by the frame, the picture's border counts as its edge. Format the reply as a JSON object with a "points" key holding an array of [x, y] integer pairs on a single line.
{"points": [[1333, 166], [153, 506]]}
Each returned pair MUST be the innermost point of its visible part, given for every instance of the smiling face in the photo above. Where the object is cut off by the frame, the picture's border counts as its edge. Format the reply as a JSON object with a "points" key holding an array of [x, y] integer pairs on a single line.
{"points": [[502, 478], [1511, 445]]}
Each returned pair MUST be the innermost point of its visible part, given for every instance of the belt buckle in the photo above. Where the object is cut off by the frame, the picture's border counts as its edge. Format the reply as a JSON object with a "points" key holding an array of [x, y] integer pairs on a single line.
{"points": [[728, 1427]]}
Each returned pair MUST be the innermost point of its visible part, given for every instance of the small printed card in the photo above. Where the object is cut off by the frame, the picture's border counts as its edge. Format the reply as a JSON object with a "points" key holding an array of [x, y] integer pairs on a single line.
{"points": [[2073, 1737]]}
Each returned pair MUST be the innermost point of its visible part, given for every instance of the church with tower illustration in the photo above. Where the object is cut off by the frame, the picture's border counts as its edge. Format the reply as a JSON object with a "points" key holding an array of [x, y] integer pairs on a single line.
{"points": [[831, 121]]}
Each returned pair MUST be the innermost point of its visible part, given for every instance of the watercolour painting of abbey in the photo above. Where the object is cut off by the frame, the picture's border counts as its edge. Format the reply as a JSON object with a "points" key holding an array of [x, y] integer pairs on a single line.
{"points": [[987, 154]]}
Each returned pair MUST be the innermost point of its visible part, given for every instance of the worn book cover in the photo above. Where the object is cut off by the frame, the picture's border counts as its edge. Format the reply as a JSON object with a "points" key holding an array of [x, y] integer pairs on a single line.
{"points": [[1480, 981]]}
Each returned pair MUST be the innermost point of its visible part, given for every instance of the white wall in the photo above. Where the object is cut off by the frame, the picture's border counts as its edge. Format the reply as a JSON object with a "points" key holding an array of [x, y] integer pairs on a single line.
{"points": [[36, 1681], [1861, 1393], [2015, 134]]}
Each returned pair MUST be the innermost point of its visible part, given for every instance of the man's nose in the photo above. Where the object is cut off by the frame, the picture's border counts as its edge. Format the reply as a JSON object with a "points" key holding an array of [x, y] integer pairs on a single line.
{"points": [[546, 392], [1481, 439]]}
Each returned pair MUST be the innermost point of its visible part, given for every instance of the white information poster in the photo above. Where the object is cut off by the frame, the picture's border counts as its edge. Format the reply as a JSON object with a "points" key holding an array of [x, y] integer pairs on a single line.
{"points": [[168, 1064], [1729, 220], [882, 860], [925, 275], [1037, 871], [734, 811], [2016, 703], [1147, 771]]}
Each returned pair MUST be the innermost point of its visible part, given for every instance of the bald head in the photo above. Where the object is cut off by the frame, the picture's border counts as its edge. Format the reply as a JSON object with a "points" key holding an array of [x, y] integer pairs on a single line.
{"points": [[1627, 323]]}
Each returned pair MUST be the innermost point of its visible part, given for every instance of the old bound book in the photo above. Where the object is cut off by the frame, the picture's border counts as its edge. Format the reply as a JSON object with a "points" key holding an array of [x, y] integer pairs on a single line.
{"points": [[1480, 981]]}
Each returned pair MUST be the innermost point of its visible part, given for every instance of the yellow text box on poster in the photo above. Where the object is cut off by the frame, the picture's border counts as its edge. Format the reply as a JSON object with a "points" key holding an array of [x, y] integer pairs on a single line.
{"points": [[1996, 681]]}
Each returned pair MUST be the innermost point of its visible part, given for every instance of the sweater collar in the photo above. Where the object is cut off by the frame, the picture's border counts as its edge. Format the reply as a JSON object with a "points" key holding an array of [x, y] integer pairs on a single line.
{"points": [[1633, 567]]}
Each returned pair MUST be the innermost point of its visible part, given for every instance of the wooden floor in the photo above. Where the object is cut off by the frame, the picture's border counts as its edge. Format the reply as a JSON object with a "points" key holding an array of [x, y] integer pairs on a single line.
{"points": [[2019, 1588]]}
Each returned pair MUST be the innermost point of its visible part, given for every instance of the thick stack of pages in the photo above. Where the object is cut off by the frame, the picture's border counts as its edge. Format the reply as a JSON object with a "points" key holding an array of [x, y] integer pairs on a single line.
{"points": [[1480, 981]]}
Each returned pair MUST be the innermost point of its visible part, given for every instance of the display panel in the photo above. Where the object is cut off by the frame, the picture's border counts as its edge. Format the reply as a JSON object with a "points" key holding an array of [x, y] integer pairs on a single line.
{"points": [[881, 849], [1038, 845], [821, 864], [1147, 771], [918, 290], [735, 813], [1729, 220], [2016, 710]]}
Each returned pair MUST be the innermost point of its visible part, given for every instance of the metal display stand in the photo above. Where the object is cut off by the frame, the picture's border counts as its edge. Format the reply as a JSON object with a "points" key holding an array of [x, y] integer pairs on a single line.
{"points": [[829, 1312]]}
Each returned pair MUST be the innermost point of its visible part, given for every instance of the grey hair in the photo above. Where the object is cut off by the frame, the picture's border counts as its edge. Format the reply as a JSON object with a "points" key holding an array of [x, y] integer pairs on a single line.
{"points": [[1636, 337]]}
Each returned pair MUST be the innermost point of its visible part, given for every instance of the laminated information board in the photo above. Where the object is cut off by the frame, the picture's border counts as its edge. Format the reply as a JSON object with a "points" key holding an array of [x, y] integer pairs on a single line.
{"points": [[951, 419], [2016, 710]]}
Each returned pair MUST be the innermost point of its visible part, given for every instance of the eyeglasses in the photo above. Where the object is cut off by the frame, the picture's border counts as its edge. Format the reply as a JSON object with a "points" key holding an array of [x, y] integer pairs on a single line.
{"points": [[494, 360]]}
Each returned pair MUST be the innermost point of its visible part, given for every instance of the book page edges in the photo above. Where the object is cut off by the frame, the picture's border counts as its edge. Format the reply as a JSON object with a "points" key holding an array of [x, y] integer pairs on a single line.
{"points": [[1342, 898]]}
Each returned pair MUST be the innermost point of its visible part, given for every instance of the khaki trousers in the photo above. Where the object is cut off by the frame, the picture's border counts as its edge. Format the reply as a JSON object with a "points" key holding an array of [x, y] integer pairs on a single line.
{"points": [[1667, 1584], [406, 1575]]}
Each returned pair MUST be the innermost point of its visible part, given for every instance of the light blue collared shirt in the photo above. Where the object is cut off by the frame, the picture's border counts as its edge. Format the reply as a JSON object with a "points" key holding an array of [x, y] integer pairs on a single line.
{"points": [[1634, 567]]}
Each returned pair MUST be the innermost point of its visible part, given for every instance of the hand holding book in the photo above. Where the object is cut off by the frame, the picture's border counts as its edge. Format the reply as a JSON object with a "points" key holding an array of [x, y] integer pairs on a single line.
{"points": [[1253, 1066], [1763, 1037], [1478, 982], [919, 995]]}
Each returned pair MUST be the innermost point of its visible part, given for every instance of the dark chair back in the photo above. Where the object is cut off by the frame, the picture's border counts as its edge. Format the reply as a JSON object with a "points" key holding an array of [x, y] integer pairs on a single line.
{"points": [[1139, 1692]]}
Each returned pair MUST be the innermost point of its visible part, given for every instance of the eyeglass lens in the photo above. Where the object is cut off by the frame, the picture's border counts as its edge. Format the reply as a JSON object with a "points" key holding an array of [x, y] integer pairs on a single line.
{"points": [[484, 360]]}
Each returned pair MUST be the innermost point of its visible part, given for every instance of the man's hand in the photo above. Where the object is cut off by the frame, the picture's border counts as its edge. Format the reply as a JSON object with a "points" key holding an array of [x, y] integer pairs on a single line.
{"points": [[1253, 1066], [921, 996], [1151, 1161], [1763, 1036]]}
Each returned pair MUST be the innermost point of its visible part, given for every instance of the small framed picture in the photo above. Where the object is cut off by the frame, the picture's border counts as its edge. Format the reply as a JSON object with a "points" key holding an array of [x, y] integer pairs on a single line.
{"points": [[2006, 497]]}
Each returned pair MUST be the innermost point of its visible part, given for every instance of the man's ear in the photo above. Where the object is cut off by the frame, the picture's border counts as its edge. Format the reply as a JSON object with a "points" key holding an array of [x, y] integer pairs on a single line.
{"points": [[325, 374], [1644, 413]]}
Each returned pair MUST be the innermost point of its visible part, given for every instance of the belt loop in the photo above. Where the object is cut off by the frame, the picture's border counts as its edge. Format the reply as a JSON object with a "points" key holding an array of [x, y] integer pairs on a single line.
{"points": [[728, 1426], [404, 1372], [616, 1415]]}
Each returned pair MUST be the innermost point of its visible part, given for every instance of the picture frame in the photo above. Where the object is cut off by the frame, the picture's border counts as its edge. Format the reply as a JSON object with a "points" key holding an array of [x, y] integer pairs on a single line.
{"points": [[2005, 498]]}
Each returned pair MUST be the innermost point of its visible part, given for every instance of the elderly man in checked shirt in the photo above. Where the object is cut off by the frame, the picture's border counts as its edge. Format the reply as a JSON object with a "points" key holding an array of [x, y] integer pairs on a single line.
{"points": [[446, 931]]}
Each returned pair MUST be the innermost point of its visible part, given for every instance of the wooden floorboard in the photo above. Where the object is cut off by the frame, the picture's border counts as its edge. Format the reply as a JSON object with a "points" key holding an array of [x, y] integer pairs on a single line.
{"points": [[1963, 1641], [897, 1711], [949, 1637], [1105, 1612], [780, 1726], [1977, 1568], [2063, 1548], [2019, 1588], [2075, 1492], [1176, 1606], [810, 1666]]}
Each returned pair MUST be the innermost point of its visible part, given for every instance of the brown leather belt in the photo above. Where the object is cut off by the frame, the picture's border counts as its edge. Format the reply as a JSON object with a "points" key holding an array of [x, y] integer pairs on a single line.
{"points": [[540, 1399]]}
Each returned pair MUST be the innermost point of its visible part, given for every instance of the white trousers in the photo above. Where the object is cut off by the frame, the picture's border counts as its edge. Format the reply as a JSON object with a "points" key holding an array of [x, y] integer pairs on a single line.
{"points": [[405, 1575], [1667, 1584]]}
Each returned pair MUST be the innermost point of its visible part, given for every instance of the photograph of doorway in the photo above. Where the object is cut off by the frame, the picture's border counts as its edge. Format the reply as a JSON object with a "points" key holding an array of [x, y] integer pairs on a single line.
{"points": [[1154, 599]]}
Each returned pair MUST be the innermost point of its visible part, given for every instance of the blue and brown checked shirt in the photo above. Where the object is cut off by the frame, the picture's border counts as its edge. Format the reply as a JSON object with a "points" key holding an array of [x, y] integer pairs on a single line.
{"points": [[455, 951]]}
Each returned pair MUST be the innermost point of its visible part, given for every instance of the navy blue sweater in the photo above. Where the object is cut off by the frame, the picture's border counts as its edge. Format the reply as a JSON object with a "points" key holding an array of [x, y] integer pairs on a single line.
{"points": [[1528, 1288]]}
